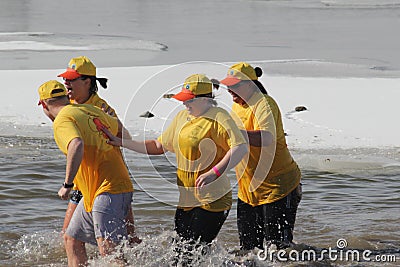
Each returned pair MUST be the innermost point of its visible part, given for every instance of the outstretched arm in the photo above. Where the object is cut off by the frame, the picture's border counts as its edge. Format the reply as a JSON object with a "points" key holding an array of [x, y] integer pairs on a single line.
{"points": [[150, 147]]}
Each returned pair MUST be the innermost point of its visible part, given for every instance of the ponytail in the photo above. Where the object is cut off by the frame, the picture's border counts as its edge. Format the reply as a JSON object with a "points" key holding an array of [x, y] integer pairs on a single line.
{"points": [[103, 82], [215, 83], [259, 72], [93, 83]]}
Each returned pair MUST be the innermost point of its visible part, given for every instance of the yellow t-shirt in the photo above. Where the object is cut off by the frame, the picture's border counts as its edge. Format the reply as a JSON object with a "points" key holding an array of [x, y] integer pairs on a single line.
{"points": [[102, 168], [97, 101], [272, 168], [199, 144]]}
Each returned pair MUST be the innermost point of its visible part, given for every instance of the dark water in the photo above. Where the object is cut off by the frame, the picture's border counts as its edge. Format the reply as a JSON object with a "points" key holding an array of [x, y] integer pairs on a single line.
{"points": [[352, 195]]}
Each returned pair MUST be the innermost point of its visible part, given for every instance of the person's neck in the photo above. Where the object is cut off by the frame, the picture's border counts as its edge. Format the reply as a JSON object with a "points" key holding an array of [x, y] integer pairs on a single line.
{"points": [[249, 93], [246, 96], [55, 109], [84, 100], [203, 110]]}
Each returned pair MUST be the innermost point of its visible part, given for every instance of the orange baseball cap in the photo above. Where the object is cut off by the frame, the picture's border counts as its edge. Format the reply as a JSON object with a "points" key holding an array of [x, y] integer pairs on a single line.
{"points": [[196, 84], [240, 72], [77, 67]]}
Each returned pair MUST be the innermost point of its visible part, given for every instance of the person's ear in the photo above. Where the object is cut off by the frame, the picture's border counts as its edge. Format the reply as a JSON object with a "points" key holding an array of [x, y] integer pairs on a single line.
{"points": [[44, 105], [87, 81]]}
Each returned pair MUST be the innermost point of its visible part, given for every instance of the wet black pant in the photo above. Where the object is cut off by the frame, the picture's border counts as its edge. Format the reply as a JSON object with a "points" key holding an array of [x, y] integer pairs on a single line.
{"points": [[273, 222], [196, 228], [199, 223]]}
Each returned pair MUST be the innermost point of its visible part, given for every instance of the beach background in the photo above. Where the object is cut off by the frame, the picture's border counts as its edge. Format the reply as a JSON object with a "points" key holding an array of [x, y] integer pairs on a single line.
{"points": [[337, 58]]}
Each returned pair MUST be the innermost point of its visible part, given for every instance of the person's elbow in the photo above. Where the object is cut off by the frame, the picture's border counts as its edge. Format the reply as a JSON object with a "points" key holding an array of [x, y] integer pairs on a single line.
{"points": [[267, 138], [242, 150]]}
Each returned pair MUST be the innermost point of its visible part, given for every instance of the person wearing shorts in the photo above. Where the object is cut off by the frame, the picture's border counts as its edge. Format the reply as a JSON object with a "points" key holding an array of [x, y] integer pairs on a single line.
{"points": [[95, 167], [80, 81], [89, 226]]}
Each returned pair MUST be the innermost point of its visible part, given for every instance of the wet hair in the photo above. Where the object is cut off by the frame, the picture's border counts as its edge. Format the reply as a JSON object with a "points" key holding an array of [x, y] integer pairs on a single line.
{"points": [[259, 72], [93, 83]]}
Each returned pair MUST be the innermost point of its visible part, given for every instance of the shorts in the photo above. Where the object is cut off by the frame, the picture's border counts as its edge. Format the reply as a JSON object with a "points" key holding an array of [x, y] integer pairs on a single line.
{"points": [[106, 220]]}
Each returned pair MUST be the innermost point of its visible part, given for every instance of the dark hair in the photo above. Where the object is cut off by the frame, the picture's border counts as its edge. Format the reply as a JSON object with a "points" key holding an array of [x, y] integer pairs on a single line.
{"points": [[259, 72], [93, 83], [215, 83]]}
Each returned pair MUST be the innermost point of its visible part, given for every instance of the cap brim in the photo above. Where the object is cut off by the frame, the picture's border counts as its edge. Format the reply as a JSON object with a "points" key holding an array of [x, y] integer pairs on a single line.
{"points": [[229, 81], [184, 96], [70, 74]]}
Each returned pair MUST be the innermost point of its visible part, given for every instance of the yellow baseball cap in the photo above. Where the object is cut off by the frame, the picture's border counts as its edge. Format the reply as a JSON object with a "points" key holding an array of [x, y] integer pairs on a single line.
{"points": [[194, 85], [51, 89], [240, 72], [77, 67]]}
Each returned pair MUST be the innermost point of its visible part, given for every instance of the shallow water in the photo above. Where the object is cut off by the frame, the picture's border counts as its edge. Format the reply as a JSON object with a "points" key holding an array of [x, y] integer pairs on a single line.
{"points": [[351, 195]]}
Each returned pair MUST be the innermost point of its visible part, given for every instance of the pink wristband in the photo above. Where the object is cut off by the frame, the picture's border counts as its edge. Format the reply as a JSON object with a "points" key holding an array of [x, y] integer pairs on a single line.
{"points": [[216, 171]]}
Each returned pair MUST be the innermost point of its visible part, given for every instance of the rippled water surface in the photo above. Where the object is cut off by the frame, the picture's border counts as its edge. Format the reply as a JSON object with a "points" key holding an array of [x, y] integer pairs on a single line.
{"points": [[352, 195]]}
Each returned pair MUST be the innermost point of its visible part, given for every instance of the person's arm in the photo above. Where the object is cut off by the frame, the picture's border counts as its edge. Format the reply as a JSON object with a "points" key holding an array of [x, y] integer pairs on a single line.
{"points": [[74, 159], [258, 138], [230, 160], [122, 131], [150, 147]]}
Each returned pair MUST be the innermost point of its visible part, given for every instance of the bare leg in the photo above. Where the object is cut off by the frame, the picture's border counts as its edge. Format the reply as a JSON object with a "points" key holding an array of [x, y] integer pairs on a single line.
{"points": [[131, 229], [107, 247], [68, 215], [76, 252]]}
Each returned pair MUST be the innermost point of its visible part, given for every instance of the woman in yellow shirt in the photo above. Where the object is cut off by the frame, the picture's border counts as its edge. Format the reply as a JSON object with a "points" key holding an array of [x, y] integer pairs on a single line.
{"points": [[207, 143], [269, 181]]}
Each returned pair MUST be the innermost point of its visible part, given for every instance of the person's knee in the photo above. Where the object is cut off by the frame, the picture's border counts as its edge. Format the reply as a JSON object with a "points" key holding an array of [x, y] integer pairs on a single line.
{"points": [[66, 239], [69, 241]]}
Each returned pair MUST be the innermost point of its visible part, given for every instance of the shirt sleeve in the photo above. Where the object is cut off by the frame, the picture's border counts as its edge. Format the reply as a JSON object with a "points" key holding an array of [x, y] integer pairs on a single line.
{"points": [[65, 130], [102, 103], [263, 117], [168, 136], [228, 133]]}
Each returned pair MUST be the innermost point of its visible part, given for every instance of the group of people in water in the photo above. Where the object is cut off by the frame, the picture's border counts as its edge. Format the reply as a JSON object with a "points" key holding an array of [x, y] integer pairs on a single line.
{"points": [[208, 142]]}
